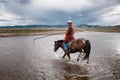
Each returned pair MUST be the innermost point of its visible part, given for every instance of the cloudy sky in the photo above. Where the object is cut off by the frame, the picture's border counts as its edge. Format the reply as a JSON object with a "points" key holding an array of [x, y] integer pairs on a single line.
{"points": [[52, 12]]}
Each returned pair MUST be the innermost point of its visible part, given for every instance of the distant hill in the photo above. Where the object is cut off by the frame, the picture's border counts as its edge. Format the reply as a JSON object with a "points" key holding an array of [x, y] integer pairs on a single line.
{"points": [[115, 27], [35, 26], [98, 26], [26, 26], [61, 26], [89, 26]]}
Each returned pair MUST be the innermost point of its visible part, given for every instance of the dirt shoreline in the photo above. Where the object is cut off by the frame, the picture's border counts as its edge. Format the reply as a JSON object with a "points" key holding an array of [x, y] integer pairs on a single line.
{"points": [[44, 31], [31, 34]]}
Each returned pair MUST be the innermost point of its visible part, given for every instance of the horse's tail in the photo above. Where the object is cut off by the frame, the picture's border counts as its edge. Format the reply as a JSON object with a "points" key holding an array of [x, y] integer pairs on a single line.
{"points": [[87, 49]]}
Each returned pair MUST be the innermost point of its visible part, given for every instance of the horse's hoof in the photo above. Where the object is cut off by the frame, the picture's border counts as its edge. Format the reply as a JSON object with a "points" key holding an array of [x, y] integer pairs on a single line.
{"points": [[77, 59], [84, 58], [87, 62]]}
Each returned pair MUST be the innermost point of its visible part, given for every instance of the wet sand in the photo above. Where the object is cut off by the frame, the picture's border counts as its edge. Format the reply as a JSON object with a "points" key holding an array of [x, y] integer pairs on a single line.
{"points": [[31, 34], [21, 59], [9, 32]]}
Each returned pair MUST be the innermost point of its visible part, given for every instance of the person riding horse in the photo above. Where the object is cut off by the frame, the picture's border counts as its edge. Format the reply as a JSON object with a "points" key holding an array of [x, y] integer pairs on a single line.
{"points": [[72, 45], [69, 36]]}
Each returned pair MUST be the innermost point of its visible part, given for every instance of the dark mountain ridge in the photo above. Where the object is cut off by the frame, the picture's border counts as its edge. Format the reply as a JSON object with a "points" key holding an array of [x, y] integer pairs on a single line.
{"points": [[61, 26]]}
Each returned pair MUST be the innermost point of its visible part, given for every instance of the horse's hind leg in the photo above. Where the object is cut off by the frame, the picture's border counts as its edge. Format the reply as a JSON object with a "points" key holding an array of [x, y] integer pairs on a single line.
{"points": [[87, 60], [79, 56]]}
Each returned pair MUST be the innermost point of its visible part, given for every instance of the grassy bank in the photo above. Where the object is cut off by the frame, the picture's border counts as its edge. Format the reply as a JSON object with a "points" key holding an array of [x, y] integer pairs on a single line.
{"points": [[29, 31], [104, 30], [4, 32]]}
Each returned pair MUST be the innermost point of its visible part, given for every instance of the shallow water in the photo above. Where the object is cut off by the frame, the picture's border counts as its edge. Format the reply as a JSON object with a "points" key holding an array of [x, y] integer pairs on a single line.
{"points": [[21, 58]]}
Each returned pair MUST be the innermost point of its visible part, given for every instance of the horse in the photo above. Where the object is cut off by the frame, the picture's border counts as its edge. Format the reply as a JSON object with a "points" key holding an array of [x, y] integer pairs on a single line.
{"points": [[78, 45]]}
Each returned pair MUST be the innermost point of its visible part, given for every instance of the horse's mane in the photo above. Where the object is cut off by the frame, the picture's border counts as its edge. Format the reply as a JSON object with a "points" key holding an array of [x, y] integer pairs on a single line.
{"points": [[59, 40]]}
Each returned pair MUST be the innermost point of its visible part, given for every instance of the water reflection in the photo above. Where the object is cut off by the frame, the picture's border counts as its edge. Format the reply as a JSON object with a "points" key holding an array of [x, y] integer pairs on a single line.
{"points": [[70, 70], [21, 59], [115, 66]]}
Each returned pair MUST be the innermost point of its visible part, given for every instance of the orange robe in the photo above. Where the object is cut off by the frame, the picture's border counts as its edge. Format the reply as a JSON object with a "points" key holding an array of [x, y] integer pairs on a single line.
{"points": [[69, 36]]}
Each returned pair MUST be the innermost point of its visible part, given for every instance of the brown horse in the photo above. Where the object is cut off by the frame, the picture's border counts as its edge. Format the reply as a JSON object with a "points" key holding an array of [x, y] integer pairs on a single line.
{"points": [[78, 45]]}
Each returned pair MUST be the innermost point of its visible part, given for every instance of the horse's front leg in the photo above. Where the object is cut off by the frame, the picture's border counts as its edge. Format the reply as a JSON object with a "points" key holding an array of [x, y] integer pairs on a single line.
{"points": [[79, 56], [64, 55]]}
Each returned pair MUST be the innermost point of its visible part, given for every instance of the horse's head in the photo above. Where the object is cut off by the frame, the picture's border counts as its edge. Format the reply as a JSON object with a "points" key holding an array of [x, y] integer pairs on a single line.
{"points": [[57, 44]]}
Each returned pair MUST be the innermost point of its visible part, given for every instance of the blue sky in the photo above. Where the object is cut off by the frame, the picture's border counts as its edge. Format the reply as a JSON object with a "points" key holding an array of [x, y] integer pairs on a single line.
{"points": [[52, 12]]}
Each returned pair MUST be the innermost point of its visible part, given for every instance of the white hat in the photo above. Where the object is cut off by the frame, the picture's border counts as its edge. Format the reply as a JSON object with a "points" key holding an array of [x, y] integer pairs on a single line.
{"points": [[69, 21]]}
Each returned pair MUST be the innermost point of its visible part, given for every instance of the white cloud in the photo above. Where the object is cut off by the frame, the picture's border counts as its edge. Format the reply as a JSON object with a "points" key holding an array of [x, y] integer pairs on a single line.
{"points": [[9, 18], [60, 5], [56, 11], [110, 16], [14, 12]]}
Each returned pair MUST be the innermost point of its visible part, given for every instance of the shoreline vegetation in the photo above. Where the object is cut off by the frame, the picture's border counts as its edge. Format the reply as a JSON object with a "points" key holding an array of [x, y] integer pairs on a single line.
{"points": [[7, 32]]}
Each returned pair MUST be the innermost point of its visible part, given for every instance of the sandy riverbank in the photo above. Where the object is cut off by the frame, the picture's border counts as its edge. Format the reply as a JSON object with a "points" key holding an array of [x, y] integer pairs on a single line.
{"points": [[30, 32], [44, 31]]}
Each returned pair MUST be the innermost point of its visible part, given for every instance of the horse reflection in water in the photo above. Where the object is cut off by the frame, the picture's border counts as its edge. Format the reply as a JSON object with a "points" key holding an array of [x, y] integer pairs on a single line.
{"points": [[78, 45]]}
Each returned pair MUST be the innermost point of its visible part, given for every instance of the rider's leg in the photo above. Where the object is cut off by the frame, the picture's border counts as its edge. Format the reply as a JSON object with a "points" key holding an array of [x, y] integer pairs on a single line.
{"points": [[66, 49], [65, 45]]}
